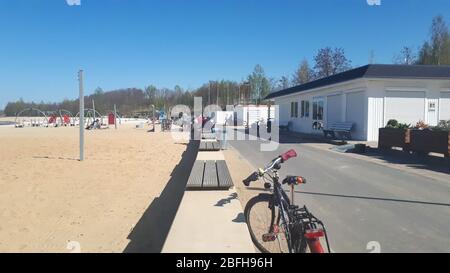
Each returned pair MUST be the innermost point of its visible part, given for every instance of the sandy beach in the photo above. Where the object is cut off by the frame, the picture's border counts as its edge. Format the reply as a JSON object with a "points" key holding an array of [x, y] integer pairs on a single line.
{"points": [[48, 198]]}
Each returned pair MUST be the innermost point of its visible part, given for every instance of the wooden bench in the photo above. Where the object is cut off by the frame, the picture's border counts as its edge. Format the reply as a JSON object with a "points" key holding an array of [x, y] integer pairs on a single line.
{"points": [[209, 175], [340, 129], [209, 146]]}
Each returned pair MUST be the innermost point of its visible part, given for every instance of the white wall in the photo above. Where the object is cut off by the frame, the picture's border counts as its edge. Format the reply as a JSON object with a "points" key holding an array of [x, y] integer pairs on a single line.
{"points": [[405, 100], [222, 116], [255, 113]]}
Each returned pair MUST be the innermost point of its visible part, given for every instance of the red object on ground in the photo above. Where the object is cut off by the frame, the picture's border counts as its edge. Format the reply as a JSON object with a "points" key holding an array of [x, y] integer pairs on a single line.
{"points": [[66, 119], [111, 119], [52, 119]]}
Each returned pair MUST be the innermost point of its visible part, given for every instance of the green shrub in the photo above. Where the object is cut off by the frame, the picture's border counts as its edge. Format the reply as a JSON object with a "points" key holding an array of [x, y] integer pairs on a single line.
{"points": [[392, 123], [403, 126]]}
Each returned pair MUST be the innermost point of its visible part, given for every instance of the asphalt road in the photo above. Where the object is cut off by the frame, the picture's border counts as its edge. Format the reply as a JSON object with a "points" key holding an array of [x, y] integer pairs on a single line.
{"points": [[361, 201]]}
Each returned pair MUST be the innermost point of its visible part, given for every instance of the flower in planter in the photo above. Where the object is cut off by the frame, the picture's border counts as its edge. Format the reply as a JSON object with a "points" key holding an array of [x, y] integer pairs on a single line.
{"points": [[421, 125]]}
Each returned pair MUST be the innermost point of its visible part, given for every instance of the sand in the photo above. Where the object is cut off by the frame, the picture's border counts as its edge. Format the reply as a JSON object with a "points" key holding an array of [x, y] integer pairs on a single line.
{"points": [[48, 198]]}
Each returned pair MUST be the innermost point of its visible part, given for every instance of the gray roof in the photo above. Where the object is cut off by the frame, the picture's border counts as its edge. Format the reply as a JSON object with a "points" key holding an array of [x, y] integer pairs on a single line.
{"points": [[372, 71]]}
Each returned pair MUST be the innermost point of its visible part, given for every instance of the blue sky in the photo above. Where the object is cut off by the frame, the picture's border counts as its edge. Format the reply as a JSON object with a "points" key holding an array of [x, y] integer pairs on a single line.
{"points": [[134, 43]]}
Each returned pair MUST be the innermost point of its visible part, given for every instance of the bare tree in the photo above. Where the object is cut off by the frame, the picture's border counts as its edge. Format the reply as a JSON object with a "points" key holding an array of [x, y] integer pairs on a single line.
{"points": [[284, 82], [330, 62], [406, 56]]}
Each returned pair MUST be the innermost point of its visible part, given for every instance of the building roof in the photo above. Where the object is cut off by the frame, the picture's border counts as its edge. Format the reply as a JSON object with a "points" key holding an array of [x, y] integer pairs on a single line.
{"points": [[372, 71]]}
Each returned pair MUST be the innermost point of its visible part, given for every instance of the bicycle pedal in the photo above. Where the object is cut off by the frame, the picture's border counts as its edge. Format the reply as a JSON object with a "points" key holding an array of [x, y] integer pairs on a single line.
{"points": [[269, 237]]}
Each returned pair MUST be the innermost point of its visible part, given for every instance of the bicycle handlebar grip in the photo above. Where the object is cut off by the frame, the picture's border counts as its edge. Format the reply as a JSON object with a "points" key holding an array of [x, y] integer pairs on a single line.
{"points": [[253, 177], [289, 154]]}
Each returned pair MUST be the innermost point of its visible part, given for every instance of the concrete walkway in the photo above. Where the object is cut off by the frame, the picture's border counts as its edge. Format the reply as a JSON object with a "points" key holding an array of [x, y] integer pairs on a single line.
{"points": [[209, 221]]}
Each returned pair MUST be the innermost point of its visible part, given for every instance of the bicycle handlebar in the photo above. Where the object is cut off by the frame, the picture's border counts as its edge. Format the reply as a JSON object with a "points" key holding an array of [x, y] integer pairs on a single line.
{"points": [[280, 159], [253, 177], [289, 154]]}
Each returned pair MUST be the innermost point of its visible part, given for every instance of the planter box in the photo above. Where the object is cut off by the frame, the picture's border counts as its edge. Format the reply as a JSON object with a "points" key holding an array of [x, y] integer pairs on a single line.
{"points": [[391, 137], [427, 141]]}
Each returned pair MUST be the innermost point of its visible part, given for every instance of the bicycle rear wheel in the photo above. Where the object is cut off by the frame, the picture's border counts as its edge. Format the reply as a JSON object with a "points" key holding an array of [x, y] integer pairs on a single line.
{"points": [[262, 222]]}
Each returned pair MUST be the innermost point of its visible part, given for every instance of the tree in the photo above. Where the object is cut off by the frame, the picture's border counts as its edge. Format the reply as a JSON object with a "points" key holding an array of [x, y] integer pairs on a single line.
{"points": [[259, 84], [303, 74], [436, 51], [284, 82], [98, 91], [329, 62], [150, 94], [406, 56]]}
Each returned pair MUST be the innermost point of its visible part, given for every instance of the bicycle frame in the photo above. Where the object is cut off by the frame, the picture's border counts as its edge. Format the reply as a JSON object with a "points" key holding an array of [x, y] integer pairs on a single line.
{"points": [[281, 200]]}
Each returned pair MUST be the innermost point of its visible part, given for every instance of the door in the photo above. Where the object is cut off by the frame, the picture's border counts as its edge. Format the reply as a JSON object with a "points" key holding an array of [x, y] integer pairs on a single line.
{"points": [[334, 109], [317, 117], [444, 106], [355, 112], [405, 106]]}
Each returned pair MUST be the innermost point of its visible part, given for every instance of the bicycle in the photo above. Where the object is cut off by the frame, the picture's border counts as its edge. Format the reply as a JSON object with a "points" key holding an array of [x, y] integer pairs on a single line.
{"points": [[293, 229]]}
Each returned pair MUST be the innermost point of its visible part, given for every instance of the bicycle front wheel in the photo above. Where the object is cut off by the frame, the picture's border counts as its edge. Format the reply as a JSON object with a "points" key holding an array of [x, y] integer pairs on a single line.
{"points": [[264, 225]]}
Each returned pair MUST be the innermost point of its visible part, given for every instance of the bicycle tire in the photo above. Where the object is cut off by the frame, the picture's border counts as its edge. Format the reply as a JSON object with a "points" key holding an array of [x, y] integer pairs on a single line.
{"points": [[263, 200]]}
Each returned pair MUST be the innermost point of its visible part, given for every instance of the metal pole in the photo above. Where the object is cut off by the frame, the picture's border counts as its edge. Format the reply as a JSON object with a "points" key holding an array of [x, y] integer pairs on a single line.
{"points": [[115, 117], [93, 108], [228, 90], [240, 96], [80, 79], [209, 94]]}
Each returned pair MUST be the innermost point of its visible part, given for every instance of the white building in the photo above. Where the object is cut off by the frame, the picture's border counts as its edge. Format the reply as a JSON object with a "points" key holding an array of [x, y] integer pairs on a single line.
{"points": [[250, 114], [368, 97]]}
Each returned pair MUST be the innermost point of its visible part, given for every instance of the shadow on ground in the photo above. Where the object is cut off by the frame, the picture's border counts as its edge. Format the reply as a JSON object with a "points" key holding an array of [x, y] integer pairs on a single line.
{"points": [[424, 162], [287, 137], [223, 202], [374, 198], [150, 233]]}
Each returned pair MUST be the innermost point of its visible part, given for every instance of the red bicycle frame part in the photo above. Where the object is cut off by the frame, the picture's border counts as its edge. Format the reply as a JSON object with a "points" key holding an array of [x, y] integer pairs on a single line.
{"points": [[313, 240]]}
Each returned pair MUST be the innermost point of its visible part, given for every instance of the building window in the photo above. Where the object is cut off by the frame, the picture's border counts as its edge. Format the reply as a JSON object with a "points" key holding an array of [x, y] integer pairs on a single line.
{"points": [[318, 109], [305, 109], [294, 109]]}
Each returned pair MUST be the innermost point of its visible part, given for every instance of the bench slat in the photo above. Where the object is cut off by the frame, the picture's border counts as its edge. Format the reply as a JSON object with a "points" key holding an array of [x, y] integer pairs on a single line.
{"points": [[210, 175], [225, 181], [196, 177], [341, 126]]}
